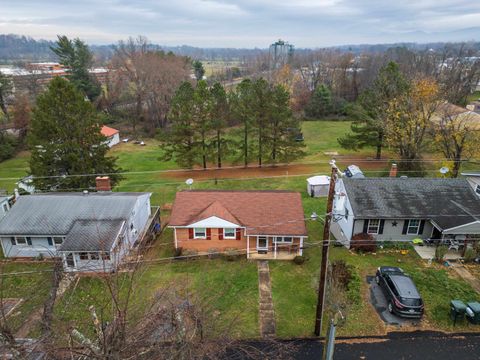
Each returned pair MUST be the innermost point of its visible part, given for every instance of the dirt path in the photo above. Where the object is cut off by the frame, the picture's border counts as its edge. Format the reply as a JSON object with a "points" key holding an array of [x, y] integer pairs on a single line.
{"points": [[278, 170], [467, 276], [267, 313]]}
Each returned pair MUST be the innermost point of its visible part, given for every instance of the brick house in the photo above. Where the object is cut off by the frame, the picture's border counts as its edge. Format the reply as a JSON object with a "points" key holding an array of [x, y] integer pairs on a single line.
{"points": [[263, 224]]}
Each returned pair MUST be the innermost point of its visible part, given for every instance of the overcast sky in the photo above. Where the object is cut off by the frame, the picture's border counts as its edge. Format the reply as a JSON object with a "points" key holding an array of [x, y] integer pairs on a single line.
{"points": [[245, 23]]}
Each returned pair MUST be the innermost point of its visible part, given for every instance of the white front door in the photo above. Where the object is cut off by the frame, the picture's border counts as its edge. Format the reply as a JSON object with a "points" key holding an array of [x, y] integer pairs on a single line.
{"points": [[262, 243]]}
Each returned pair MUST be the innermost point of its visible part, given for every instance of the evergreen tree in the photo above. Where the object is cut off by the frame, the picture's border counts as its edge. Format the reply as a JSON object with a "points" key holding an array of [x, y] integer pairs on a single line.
{"points": [[202, 125], [78, 59], [369, 114], [241, 101], [180, 139], [261, 107], [219, 115], [198, 70], [283, 128], [65, 140], [320, 104]]}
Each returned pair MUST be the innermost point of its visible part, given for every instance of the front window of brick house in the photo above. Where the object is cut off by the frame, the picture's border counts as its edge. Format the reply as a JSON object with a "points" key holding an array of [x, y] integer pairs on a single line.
{"points": [[199, 233], [229, 233]]}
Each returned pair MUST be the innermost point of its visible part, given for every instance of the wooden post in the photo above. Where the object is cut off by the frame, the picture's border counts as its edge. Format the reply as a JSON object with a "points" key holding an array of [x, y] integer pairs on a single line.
{"points": [[325, 247]]}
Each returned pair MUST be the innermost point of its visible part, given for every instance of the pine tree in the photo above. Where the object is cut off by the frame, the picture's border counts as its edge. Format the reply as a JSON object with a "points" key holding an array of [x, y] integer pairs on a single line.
{"points": [[320, 104], [261, 115], [202, 125], [241, 101], [78, 59], [283, 128], [65, 141], [219, 115], [180, 139], [368, 127], [198, 69]]}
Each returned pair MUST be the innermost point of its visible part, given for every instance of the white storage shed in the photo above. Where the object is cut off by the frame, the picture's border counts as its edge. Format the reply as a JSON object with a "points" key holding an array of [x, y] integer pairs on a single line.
{"points": [[317, 186]]}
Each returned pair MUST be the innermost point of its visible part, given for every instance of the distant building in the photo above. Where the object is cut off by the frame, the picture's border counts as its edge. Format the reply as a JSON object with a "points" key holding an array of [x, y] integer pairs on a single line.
{"points": [[112, 135], [280, 54]]}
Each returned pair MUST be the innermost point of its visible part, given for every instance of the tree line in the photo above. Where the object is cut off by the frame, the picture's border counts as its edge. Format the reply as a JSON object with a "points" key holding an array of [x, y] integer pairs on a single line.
{"points": [[201, 120], [411, 116]]}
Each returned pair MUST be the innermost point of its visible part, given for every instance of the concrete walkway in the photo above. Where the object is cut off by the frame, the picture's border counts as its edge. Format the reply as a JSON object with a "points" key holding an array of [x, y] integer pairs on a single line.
{"points": [[467, 276], [266, 312]]}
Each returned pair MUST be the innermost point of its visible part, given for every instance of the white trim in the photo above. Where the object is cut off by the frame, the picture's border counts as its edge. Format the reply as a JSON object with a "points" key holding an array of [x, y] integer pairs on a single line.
{"points": [[248, 247], [200, 237], [378, 227], [213, 222], [301, 246], [230, 237], [293, 236], [418, 226], [460, 226], [266, 243]]}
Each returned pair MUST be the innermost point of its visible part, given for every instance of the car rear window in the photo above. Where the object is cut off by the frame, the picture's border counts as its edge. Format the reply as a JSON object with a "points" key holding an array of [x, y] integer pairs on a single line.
{"points": [[411, 302]]}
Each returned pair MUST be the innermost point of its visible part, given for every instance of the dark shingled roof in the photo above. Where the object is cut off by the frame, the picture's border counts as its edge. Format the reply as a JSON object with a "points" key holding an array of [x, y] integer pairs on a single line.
{"points": [[447, 202]]}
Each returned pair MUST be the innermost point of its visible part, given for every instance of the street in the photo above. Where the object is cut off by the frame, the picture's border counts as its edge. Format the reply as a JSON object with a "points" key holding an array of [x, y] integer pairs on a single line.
{"points": [[398, 346]]}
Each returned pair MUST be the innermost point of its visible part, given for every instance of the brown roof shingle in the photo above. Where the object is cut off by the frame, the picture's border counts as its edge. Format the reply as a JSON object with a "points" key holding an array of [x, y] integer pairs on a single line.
{"points": [[261, 212]]}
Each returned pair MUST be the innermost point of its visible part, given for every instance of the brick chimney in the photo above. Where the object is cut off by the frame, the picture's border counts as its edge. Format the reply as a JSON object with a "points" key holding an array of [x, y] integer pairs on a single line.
{"points": [[393, 170], [103, 183]]}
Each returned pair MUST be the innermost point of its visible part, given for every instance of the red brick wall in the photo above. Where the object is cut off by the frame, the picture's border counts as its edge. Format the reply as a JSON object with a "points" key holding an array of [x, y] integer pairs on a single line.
{"points": [[184, 241]]}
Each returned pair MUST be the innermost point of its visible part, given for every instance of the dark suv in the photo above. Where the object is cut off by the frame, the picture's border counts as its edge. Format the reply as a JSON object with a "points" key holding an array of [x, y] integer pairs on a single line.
{"points": [[402, 296]]}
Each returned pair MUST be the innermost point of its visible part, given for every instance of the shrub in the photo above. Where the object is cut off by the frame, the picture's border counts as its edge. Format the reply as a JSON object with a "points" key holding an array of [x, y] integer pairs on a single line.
{"points": [[190, 254], [299, 259], [213, 253], [178, 252], [470, 254], [363, 242], [440, 252], [231, 254]]}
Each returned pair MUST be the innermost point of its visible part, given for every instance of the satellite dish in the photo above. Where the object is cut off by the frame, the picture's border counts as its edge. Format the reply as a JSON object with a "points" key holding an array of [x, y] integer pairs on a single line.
{"points": [[189, 182], [444, 170]]}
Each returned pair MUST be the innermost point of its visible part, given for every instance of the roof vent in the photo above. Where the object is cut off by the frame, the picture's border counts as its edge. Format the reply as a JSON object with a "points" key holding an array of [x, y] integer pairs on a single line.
{"points": [[85, 192], [404, 177]]}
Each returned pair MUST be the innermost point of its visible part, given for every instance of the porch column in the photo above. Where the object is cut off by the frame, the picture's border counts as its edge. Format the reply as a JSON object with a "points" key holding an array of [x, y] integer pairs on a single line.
{"points": [[275, 242], [248, 247], [301, 245], [175, 236]]}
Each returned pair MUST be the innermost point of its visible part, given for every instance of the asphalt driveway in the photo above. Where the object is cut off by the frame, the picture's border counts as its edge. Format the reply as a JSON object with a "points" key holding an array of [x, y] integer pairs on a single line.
{"points": [[379, 302]]}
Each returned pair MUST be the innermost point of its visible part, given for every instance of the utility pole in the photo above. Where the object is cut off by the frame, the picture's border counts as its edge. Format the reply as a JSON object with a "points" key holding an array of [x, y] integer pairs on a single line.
{"points": [[325, 247]]}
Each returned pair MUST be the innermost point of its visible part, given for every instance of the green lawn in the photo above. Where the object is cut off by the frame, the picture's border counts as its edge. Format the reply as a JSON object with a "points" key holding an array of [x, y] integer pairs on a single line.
{"points": [[12, 170], [32, 288]]}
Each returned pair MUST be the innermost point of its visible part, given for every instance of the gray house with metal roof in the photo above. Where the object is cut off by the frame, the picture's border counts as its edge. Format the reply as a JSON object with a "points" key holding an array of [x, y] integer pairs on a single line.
{"points": [[90, 231], [405, 208]]}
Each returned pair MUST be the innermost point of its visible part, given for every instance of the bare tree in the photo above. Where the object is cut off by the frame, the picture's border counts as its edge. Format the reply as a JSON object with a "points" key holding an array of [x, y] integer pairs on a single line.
{"points": [[146, 81]]}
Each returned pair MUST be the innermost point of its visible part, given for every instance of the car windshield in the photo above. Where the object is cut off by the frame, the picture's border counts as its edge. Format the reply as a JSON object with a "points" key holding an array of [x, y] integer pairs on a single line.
{"points": [[411, 302]]}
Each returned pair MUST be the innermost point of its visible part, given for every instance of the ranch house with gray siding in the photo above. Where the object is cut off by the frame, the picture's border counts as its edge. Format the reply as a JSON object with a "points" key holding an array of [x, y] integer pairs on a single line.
{"points": [[398, 209], [91, 232]]}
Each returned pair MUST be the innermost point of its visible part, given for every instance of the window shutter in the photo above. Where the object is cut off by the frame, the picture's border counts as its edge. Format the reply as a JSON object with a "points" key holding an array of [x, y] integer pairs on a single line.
{"points": [[238, 233], [365, 226], [190, 233], [382, 224], [29, 241], [12, 240], [209, 234], [422, 225], [405, 227], [220, 234], [50, 241]]}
